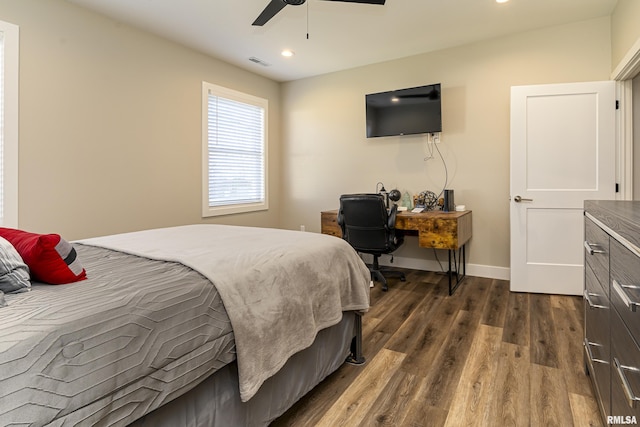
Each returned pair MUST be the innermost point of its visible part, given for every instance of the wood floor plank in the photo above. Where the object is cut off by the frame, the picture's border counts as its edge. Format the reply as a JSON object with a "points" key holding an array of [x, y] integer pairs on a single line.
{"points": [[393, 296], [544, 345], [473, 294], [390, 407], [358, 398], [404, 307], [418, 415], [441, 381], [416, 333], [495, 309], [570, 351], [549, 397], [472, 400], [429, 338], [585, 411], [516, 324], [510, 403]]}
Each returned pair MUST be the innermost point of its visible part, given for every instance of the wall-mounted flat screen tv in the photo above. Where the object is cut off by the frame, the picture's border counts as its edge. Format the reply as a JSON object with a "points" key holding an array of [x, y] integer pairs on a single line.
{"points": [[404, 112]]}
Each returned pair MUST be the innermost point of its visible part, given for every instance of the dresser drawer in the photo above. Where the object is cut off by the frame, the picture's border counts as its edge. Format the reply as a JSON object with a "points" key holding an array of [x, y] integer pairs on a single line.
{"points": [[596, 245], [596, 342], [594, 292], [625, 370], [625, 286]]}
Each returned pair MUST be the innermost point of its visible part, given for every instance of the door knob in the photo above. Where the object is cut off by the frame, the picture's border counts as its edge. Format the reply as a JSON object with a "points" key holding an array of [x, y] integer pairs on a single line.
{"points": [[519, 199]]}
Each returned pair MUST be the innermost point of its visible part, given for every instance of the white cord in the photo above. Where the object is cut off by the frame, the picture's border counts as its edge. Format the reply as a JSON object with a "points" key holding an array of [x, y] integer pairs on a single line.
{"points": [[446, 171], [430, 156], [429, 150]]}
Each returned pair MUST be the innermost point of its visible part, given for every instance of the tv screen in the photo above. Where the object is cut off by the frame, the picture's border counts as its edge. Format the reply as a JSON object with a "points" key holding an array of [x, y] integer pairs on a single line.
{"points": [[404, 112]]}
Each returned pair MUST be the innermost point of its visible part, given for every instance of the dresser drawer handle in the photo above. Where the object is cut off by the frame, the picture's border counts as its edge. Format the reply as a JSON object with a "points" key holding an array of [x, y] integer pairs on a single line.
{"points": [[593, 248], [587, 346], [587, 297], [620, 290], [631, 397]]}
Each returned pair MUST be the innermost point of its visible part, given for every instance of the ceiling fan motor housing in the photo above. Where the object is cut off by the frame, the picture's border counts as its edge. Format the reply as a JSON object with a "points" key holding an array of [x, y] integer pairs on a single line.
{"points": [[276, 6]]}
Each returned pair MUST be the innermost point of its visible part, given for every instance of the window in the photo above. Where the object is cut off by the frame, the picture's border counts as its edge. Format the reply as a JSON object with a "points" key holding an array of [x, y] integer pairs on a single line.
{"points": [[8, 124], [234, 152]]}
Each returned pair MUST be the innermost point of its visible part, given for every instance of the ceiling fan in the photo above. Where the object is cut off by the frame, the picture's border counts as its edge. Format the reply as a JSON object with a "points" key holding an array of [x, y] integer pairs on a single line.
{"points": [[276, 6]]}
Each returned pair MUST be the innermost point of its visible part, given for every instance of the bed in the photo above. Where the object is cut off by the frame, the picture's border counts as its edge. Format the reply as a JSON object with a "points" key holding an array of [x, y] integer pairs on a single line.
{"points": [[192, 325]]}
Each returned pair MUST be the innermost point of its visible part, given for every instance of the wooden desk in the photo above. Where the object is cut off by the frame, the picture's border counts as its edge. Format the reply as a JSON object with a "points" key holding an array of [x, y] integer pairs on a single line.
{"points": [[435, 229]]}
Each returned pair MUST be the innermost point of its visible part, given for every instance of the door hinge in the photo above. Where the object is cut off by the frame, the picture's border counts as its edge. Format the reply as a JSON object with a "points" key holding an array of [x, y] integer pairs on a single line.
{"points": [[617, 187], [617, 104]]}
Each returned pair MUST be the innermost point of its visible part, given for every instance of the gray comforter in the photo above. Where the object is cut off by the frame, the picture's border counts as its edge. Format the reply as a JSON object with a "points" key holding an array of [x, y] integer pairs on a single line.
{"points": [[109, 349]]}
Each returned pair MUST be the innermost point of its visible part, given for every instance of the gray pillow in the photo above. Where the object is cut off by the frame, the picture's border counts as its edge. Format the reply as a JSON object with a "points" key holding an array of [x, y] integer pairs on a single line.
{"points": [[3, 303], [14, 273]]}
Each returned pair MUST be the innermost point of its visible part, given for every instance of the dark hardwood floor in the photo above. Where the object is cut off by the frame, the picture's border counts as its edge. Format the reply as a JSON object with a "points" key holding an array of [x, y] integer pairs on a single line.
{"points": [[482, 357]]}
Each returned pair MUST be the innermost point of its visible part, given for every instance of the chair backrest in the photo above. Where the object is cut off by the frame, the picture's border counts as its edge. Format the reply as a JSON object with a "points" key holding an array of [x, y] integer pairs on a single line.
{"points": [[366, 224]]}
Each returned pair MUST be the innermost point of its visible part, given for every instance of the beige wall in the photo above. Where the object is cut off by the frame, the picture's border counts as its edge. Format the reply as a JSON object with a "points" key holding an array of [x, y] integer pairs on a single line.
{"points": [[625, 29], [325, 152], [110, 124]]}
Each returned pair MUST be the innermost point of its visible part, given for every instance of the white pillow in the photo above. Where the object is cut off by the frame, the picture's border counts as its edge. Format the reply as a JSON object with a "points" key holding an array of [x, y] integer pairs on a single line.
{"points": [[14, 273]]}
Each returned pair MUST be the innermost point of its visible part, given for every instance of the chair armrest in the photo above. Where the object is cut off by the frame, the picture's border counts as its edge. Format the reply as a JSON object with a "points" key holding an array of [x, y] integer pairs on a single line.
{"points": [[341, 223], [391, 219]]}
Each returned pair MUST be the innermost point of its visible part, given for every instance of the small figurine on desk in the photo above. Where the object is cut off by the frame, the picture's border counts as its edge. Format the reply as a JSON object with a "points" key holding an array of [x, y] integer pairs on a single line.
{"points": [[427, 200], [406, 201]]}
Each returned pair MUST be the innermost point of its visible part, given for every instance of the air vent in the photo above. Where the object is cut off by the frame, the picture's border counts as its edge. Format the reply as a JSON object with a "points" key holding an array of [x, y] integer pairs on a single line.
{"points": [[259, 61]]}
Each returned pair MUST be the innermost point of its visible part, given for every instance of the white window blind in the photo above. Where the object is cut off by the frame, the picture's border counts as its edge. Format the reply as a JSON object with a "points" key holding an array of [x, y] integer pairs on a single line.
{"points": [[235, 135]]}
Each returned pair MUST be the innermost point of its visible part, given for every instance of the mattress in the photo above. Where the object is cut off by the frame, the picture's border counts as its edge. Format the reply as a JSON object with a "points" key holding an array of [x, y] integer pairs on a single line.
{"points": [[107, 350]]}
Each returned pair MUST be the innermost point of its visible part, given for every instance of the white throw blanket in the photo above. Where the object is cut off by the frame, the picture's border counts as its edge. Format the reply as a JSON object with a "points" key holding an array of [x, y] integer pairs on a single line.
{"points": [[279, 287]]}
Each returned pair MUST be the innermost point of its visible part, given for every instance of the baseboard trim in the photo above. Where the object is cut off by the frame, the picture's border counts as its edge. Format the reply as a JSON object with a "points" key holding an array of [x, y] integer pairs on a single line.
{"points": [[478, 270]]}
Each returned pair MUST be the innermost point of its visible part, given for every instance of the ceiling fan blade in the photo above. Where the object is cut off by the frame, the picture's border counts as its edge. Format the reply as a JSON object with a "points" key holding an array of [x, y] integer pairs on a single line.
{"points": [[269, 12], [381, 2]]}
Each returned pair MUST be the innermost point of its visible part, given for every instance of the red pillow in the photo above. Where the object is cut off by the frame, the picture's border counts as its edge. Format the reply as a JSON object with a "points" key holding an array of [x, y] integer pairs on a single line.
{"points": [[50, 258]]}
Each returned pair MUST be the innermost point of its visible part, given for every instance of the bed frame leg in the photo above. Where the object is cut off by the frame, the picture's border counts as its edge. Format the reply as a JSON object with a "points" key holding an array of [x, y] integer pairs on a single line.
{"points": [[356, 357]]}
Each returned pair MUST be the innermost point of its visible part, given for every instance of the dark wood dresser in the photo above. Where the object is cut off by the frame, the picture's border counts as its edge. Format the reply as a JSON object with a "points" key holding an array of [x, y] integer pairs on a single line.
{"points": [[612, 306]]}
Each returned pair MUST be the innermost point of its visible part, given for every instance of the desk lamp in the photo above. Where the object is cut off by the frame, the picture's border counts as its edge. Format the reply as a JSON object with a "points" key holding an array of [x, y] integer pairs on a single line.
{"points": [[394, 195]]}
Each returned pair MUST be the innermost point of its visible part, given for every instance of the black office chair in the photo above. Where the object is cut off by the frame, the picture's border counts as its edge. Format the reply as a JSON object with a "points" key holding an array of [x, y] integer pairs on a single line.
{"points": [[369, 228]]}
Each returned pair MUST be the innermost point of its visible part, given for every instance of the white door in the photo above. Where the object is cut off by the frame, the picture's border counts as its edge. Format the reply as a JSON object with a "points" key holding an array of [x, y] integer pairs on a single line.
{"points": [[562, 153]]}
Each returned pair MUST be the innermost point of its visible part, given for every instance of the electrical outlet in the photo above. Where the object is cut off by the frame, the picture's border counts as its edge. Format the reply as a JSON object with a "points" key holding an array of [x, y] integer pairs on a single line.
{"points": [[434, 138]]}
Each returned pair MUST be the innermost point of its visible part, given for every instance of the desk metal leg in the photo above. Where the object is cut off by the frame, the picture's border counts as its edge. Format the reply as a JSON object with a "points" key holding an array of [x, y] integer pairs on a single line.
{"points": [[459, 264]]}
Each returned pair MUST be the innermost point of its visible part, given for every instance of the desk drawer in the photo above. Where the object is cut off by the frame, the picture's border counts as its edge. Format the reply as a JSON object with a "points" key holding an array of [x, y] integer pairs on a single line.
{"points": [[329, 224], [437, 232], [625, 370], [597, 251], [625, 286]]}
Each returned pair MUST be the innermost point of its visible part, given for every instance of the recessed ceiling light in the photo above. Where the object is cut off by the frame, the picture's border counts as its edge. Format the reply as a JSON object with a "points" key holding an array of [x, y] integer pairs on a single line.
{"points": [[288, 53], [501, 1]]}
